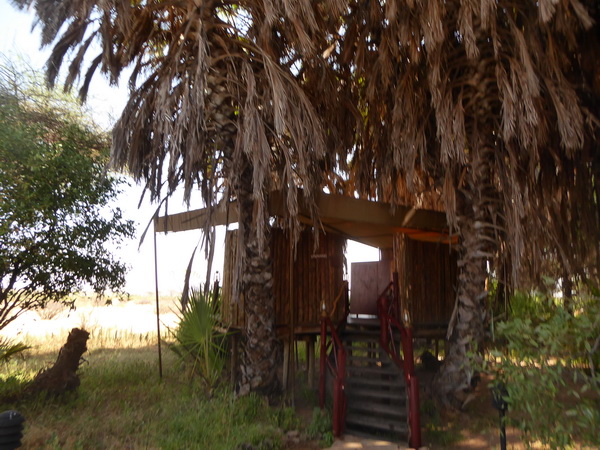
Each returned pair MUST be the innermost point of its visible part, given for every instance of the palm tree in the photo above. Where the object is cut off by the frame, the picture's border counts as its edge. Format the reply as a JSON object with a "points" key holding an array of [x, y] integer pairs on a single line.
{"points": [[491, 106], [215, 103]]}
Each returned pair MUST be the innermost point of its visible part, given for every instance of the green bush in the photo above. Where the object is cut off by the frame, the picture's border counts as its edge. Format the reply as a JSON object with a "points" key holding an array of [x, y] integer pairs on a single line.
{"points": [[57, 211], [548, 358]]}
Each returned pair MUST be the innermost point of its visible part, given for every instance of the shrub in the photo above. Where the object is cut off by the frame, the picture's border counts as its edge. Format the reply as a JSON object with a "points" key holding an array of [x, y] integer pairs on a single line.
{"points": [[548, 361], [56, 200]]}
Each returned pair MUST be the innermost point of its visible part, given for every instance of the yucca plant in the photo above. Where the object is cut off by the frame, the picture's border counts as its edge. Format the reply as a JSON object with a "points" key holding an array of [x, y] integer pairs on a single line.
{"points": [[197, 339]]}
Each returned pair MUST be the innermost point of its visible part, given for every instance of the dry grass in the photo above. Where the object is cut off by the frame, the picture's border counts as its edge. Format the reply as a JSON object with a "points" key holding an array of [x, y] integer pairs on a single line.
{"points": [[121, 402], [121, 324]]}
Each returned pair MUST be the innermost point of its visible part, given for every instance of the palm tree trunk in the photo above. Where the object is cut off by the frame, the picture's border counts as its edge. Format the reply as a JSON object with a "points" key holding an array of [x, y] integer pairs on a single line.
{"points": [[258, 371], [456, 379]]}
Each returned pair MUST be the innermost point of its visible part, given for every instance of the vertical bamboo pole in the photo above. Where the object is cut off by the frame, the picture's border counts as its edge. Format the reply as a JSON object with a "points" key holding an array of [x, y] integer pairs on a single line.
{"points": [[160, 371]]}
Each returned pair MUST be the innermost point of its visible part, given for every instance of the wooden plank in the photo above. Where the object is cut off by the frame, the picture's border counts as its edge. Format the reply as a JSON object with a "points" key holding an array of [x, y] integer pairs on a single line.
{"points": [[197, 219], [426, 279], [363, 220], [348, 209], [308, 281]]}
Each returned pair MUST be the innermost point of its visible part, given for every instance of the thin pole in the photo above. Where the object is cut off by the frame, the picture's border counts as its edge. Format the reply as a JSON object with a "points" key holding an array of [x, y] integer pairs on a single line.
{"points": [[157, 306], [502, 431], [293, 320]]}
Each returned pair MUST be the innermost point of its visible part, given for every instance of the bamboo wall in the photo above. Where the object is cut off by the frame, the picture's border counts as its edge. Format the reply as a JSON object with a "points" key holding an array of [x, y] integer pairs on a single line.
{"points": [[427, 276], [232, 308], [300, 285]]}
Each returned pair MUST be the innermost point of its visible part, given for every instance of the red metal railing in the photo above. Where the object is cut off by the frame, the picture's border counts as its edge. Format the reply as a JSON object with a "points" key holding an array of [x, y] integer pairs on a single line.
{"points": [[387, 307], [337, 367]]}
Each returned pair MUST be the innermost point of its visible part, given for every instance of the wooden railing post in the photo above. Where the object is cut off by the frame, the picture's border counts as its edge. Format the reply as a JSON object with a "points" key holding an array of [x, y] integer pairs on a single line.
{"points": [[387, 320], [336, 401], [341, 387], [339, 373], [396, 299], [415, 417], [409, 361]]}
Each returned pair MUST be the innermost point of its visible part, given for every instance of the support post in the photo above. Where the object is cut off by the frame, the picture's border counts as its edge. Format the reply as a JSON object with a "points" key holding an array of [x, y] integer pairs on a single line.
{"points": [[409, 360], [286, 364], [397, 307], [323, 359], [310, 357], [337, 399], [499, 396], [160, 371], [502, 431]]}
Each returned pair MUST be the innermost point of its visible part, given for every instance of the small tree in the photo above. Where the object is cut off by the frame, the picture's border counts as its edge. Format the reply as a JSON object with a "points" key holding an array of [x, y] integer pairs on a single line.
{"points": [[55, 217]]}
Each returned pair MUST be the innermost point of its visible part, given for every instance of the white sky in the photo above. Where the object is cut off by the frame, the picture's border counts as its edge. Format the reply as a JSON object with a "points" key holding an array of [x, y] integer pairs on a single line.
{"points": [[174, 249]]}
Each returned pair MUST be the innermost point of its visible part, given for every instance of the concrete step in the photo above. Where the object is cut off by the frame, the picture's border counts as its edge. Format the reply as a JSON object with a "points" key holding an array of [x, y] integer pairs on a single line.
{"points": [[358, 359], [375, 388]]}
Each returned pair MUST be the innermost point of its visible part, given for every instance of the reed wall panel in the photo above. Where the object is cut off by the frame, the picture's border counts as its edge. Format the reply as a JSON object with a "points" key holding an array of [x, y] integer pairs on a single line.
{"points": [[302, 280], [427, 275]]}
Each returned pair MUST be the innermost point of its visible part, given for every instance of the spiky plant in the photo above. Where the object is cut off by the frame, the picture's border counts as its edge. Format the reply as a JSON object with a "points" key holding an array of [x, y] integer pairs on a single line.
{"points": [[10, 348], [198, 341]]}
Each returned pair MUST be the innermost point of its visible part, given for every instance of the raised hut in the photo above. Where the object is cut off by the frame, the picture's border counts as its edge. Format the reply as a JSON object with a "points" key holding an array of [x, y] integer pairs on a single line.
{"points": [[412, 242]]}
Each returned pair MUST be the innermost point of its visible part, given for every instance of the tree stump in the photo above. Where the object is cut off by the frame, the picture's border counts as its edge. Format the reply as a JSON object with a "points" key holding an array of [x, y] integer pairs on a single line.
{"points": [[62, 376]]}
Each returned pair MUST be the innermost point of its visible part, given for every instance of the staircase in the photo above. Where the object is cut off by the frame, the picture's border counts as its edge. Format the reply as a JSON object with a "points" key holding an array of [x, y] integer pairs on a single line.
{"points": [[375, 387]]}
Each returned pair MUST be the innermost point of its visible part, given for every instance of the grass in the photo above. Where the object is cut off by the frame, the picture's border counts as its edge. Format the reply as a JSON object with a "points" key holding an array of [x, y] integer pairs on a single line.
{"points": [[122, 403], [436, 431]]}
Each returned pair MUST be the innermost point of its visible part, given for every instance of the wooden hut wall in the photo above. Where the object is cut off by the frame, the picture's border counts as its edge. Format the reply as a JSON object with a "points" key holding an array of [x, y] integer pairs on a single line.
{"points": [[232, 309], [315, 276], [427, 275], [300, 285]]}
